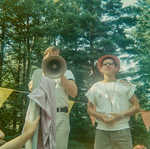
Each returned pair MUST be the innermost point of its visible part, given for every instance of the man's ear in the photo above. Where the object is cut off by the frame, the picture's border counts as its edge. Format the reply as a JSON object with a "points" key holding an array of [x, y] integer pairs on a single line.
{"points": [[98, 67], [116, 69]]}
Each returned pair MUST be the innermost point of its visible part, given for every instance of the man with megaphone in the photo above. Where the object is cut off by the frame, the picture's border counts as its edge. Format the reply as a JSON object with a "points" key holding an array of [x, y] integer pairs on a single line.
{"points": [[54, 67], [65, 86]]}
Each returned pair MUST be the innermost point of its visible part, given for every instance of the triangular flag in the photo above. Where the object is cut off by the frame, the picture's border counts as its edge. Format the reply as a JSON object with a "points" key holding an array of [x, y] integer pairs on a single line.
{"points": [[55, 1], [70, 105], [146, 119], [4, 94]]}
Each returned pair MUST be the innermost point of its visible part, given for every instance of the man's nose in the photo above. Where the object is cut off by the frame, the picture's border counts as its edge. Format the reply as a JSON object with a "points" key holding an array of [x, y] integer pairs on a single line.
{"points": [[108, 64]]}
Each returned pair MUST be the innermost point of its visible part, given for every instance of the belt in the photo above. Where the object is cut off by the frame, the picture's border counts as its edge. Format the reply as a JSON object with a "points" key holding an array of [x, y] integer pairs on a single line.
{"points": [[62, 109]]}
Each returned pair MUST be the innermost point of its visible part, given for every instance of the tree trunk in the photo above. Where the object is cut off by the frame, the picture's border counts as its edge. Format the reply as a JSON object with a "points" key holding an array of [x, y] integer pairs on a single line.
{"points": [[2, 52]]}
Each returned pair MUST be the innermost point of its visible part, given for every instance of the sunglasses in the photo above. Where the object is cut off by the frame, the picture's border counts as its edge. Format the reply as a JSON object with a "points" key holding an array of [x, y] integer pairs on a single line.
{"points": [[110, 64]]}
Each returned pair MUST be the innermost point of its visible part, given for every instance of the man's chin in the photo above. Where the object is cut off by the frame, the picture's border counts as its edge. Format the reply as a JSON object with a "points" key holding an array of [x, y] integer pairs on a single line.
{"points": [[109, 73]]}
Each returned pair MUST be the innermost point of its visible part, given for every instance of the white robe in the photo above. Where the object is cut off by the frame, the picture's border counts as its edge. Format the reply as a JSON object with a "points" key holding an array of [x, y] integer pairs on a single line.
{"points": [[42, 103]]}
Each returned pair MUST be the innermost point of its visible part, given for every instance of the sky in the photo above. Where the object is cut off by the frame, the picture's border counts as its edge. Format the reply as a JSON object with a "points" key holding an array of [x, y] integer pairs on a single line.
{"points": [[128, 2]]}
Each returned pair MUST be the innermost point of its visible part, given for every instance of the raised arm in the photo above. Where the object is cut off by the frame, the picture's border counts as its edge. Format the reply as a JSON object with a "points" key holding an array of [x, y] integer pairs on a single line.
{"points": [[2, 135], [19, 141], [69, 86]]}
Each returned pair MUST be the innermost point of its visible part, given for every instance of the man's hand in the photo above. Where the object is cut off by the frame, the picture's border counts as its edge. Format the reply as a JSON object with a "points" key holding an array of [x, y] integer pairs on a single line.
{"points": [[99, 116], [30, 85], [105, 118], [109, 119], [117, 116], [112, 118]]}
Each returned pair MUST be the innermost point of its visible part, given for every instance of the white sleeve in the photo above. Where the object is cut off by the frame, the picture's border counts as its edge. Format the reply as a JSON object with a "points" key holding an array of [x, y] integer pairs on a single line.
{"points": [[91, 95], [131, 91], [36, 73], [36, 78], [69, 75]]}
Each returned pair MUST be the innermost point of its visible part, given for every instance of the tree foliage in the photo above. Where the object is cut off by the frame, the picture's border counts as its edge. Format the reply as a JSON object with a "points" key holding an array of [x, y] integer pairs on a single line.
{"points": [[84, 31]]}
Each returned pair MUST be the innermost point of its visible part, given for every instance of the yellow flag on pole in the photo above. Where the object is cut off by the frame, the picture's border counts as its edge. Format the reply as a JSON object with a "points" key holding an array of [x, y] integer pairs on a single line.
{"points": [[146, 119], [70, 105], [55, 1], [4, 94]]}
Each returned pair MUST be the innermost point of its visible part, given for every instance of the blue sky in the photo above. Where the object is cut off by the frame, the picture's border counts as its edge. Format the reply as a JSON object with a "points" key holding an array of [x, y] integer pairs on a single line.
{"points": [[128, 2]]}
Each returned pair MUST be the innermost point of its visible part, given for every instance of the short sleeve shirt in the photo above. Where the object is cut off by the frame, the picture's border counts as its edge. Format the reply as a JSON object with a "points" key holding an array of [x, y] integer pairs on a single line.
{"points": [[61, 96], [36, 78], [111, 97]]}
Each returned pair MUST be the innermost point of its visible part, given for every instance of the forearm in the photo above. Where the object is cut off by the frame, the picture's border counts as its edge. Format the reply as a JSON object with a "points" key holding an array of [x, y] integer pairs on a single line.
{"points": [[17, 142], [2, 135], [131, 111], [134, 108], [97, 115], [69, 86]]}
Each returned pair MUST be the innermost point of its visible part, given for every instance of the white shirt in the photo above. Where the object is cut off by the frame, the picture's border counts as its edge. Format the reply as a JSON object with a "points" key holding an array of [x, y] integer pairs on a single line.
{"points": [[111, 97], [37, 75], [60, 94]]}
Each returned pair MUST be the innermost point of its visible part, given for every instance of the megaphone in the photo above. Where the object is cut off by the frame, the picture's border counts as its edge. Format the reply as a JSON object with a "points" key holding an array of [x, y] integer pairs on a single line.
{"points": [[54, 66]]}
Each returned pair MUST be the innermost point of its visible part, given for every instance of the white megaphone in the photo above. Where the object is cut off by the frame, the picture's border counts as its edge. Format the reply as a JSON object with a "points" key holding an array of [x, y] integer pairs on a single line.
{"points": [[54, 66]]}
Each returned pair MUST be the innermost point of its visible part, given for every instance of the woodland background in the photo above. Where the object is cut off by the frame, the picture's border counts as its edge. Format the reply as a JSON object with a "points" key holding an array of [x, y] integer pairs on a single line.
{"points": [[84, 30]]}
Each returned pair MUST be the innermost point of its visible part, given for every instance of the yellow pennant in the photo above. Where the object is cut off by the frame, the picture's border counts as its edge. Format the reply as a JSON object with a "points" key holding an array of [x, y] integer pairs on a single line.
{"points": [[55, 1], [4, 94], [146, 119], [70, 105]]}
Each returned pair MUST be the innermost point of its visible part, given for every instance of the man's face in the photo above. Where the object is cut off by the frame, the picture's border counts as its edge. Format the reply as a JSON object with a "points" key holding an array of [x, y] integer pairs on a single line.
{"points": [[108, 67]]}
